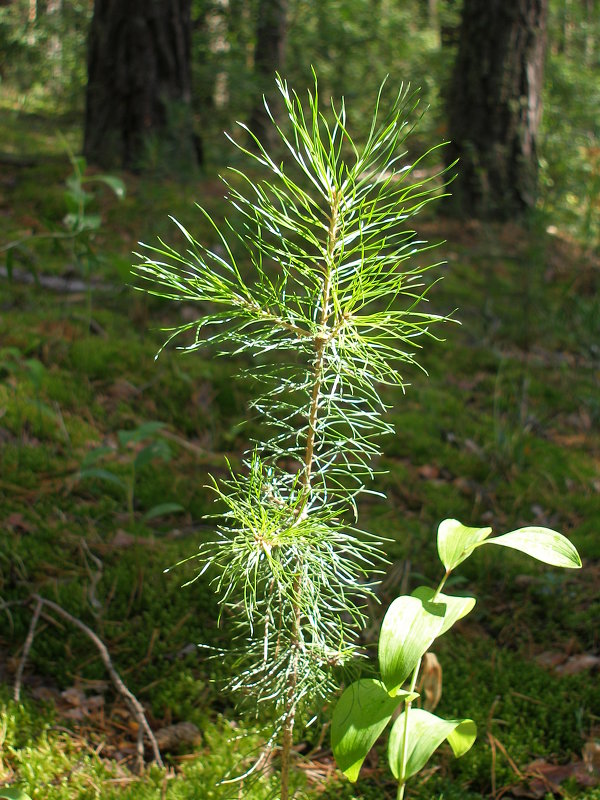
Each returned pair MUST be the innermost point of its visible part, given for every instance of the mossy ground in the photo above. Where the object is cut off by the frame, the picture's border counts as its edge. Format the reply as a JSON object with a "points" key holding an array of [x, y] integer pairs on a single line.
{"points": [[503, 431]]}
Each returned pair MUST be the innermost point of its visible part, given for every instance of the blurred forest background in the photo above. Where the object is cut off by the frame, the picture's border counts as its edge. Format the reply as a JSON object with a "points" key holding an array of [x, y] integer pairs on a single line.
{"points": [[112, 116], [166, 79]]}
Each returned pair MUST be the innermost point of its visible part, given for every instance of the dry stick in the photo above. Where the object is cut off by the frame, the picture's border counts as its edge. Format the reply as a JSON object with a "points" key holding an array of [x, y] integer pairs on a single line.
{"points": [[132, 701], [94, 577], [27, 648]]}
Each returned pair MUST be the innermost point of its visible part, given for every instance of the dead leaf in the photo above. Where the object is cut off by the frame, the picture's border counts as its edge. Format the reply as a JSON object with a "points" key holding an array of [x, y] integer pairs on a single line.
{"points": [[122, 539], [429, 472], [174, 736], [122, 389], [74, 696], [579, 663], [591, 757], [79, 704], [551, 658], [45, 693], [17, 521], [431, 681], [549, 776]]}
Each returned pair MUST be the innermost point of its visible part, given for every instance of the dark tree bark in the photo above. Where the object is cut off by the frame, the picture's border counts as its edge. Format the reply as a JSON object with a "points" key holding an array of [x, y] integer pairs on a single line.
{"points": [[139, 82], [494, 106], [269, 55]]}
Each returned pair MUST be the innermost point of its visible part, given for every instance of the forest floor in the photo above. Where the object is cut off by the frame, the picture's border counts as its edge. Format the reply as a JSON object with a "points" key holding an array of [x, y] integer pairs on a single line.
{"points": [[503, 431]]}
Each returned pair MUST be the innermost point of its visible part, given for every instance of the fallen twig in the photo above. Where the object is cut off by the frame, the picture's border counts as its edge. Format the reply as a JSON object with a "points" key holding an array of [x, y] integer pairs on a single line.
{"points": [[95, 577], [134, 704], [54, 283], [27, 648]]}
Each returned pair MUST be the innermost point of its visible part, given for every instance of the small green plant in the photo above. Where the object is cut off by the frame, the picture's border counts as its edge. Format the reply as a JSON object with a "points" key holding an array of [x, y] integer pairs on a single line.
{"points": [[410, 626], [133, 457], [79, 222], [6, 793]]}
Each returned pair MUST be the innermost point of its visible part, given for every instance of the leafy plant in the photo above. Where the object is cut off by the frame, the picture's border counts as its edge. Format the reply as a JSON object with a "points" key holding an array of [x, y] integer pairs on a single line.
{"points": [[79, 222], [135, 458], [410, 626], [6, 793], [327, 301]]}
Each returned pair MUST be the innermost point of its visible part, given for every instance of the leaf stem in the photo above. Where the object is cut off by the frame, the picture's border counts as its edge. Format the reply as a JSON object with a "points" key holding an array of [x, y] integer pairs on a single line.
{"points": [[408, 703], [441, 585]]}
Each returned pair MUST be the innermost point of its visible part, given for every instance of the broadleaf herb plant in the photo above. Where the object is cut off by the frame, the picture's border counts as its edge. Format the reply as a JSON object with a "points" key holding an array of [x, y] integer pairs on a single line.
{"points": [[409, 628], [328, 301]]}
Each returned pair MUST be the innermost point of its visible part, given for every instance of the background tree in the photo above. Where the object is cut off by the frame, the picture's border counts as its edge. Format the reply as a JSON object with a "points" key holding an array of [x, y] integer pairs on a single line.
{"points": [[269, 55], [494, 106], [139, 82]]}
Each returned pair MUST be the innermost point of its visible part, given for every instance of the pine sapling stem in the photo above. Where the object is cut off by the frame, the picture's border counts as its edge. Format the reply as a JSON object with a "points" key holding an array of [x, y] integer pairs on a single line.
{"points": [[290, 717], [320, 341]]}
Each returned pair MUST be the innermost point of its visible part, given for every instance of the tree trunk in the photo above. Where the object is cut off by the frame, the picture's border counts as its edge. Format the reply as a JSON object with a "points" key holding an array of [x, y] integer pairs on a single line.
{"points": [[269, 54], [139, 84], [219, 45], [494, 106], [54, 8], [590, 16]]}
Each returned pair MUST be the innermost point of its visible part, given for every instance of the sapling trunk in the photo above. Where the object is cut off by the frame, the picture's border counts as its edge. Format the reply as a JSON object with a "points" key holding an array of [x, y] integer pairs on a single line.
{"points": [[320, 341]]}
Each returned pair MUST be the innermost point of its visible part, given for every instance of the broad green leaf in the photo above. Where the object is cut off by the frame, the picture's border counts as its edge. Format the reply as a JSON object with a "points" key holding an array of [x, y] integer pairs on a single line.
{"points": [[36, 371], [542, 543], [114, 183], [162, 508], [75, 195], [89, 222], [408, 629], [456, 607], [103, 475], [71, 221], [425, 733], [158, 449], [462, 738], [456, 542], [359, 718], [77, 222], [79, 164], [94, 456], [13, 794], [140, 433]]}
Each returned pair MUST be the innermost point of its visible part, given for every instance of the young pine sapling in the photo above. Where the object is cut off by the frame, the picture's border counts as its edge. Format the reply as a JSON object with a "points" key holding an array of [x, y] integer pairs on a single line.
{"points": [[327, 300]]}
